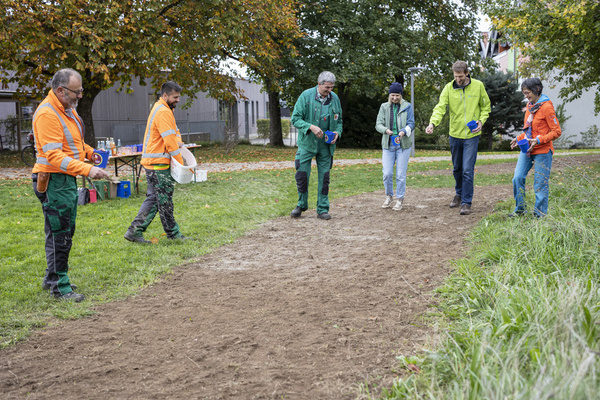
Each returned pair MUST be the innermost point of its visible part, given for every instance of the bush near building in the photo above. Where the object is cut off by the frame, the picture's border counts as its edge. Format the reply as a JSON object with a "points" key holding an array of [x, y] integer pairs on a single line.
{"points": [[262, 128]]}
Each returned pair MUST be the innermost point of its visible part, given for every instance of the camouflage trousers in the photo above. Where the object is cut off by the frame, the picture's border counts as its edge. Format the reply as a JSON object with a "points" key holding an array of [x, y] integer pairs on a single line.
{"points": [[159, 198]]}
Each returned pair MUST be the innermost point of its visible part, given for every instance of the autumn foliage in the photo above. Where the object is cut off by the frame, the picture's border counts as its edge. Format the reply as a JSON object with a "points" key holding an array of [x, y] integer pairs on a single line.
{"points": [[108, 42]]}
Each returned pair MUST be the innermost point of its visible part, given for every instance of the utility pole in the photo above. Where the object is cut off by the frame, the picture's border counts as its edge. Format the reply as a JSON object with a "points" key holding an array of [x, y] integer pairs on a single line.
{"points": [[412, 99]]}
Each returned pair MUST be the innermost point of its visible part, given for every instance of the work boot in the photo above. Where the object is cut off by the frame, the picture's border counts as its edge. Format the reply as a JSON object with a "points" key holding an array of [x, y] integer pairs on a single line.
{"points": [[455, 201], [388, 202], [398, 205], [135, 238], [71, 296], [465, 209], [297, 212], [324, 216]]}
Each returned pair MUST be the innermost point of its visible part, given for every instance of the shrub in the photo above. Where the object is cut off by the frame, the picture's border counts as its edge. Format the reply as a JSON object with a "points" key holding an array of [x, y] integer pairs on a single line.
{"points": [[262, 128], [590, 136]]}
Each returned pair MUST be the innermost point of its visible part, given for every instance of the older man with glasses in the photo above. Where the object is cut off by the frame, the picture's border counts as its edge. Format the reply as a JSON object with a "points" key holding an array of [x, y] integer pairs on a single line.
{"points": [[61, 151], [317, 111]]}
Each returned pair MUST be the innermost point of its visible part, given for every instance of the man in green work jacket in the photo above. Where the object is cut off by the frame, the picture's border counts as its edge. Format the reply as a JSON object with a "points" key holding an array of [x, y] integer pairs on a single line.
{"points": [[469, 107], [317, 111]]}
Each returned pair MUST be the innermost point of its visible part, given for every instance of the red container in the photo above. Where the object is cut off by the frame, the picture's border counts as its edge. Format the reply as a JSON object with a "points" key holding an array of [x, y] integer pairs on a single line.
{"points": [[93, 196]]}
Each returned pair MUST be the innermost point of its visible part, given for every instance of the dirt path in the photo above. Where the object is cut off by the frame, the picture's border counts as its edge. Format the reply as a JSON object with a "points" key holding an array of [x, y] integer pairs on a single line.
{"points": [[297, 309]]}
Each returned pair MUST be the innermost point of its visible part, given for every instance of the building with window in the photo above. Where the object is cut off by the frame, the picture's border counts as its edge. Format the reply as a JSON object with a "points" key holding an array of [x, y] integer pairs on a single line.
{"points": [[123, 116]]}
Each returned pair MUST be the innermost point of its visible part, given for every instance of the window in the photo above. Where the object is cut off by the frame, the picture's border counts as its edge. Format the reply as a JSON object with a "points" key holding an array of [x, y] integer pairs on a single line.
{"points": [[223, 111]]}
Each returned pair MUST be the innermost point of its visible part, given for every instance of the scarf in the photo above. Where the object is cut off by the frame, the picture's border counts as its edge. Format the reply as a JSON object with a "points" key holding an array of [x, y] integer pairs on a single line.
{"points": [[533, 108], [394, 109]]}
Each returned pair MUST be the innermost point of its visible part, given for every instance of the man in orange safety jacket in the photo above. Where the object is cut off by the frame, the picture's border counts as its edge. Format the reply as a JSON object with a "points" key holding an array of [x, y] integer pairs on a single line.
{"points": [[162, 142], [61, 151]]}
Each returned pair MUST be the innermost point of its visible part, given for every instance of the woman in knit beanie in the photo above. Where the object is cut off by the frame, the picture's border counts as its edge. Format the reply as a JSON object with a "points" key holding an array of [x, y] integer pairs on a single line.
{"points": [[396, 123]]}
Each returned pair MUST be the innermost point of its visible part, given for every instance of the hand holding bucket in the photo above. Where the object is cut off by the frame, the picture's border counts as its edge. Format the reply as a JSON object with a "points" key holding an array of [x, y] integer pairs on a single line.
{"points": [[524, 145], [100, 158], [329, 136], [472, 125]]}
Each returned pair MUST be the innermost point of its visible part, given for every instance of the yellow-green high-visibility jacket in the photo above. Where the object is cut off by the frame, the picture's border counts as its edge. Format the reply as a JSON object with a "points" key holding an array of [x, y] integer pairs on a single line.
{"points": [[470, 103]]}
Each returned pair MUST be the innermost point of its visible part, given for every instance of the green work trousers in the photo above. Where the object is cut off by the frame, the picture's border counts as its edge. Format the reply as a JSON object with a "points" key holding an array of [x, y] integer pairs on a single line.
{"points": [[303, 166], [59, 204]]}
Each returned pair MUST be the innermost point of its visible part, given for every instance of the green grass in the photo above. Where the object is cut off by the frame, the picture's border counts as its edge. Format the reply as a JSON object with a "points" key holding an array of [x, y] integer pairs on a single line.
{"points": [[519, 318], [106, 267]]}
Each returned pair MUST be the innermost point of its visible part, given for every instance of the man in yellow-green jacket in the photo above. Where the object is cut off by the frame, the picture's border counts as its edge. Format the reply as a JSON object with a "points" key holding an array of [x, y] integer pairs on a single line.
{"points": [[469, 107]]}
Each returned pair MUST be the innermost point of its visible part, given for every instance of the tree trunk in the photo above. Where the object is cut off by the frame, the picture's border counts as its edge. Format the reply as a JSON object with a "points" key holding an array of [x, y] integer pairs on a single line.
{"points": [[84, 109], [343, 93], [275, 133], [489, 138]]}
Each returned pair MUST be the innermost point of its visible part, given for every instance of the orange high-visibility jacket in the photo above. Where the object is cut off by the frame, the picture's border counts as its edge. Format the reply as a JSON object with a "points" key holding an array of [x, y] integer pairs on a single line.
{"points": [[162, 138], [59, 139]]}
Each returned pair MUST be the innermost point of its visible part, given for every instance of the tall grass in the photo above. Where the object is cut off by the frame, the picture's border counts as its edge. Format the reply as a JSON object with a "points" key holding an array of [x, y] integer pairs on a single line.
{"points": [[519, 318]]}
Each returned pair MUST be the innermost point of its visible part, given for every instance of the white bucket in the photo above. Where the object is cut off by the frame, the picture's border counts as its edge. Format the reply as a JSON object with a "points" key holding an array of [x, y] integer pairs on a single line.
{"points": [[184, 173], [201, 175]]}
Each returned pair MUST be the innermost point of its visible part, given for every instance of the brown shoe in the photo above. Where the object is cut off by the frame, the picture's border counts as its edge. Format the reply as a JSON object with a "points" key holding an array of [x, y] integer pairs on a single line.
{"points": [[465, 209], [455, 201]]}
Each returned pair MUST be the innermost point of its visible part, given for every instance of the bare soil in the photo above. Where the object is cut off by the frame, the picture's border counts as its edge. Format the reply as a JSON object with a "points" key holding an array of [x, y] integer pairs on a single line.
{"points": [[297, 309]]}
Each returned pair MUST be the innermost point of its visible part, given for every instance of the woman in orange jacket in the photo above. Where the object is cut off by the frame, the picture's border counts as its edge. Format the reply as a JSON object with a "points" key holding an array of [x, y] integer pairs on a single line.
{"points": [[540, 129]]}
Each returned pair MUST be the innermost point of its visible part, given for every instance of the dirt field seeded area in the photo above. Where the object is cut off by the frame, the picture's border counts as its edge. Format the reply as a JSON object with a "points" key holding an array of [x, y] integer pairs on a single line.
{"points": [[296, 309]]}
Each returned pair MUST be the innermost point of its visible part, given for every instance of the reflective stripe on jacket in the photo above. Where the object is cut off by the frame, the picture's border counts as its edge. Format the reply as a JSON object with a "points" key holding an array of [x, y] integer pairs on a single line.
{"points": [[162, 138], [59, 141]]}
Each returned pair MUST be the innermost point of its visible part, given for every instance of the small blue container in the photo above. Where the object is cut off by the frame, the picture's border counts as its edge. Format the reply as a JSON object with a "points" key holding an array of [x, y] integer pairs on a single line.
{"points": [[101, 160], [124, 189], [395, 140], [329, 136], [472, 125], [524, 145]]}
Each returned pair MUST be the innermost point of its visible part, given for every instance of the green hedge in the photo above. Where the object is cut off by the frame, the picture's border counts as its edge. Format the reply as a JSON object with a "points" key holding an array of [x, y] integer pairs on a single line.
{"points": [[262, 126]]}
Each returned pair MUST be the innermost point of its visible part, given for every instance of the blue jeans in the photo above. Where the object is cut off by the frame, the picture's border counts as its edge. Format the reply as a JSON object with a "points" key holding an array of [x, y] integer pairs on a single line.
{"points": [[395, 155], [464, 156], [542, 164]]}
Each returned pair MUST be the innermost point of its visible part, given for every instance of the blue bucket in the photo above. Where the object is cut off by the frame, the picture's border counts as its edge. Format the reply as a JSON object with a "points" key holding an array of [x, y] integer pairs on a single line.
{"points": [[329, 136], [524, 145], [472, 125], [101, 158]]}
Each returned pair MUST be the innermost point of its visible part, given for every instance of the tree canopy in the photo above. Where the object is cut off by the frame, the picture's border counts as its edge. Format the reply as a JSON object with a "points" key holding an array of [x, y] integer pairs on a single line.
{"points": [[108, 42], [367, 43], [561, 35]]}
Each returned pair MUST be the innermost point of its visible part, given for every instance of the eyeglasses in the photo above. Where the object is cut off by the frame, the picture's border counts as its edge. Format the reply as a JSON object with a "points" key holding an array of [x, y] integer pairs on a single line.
{"points": [[77, 92]]}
